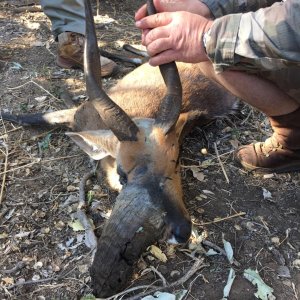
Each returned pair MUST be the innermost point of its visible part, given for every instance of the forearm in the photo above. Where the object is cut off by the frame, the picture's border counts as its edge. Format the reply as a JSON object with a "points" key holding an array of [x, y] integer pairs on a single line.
{"points": [[221, 8], [267, 39]]}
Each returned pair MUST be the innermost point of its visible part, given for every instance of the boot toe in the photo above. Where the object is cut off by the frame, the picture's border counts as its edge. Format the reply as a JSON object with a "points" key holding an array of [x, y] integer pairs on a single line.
{"points": [[108, 67], [70, 54], [246, 157]]}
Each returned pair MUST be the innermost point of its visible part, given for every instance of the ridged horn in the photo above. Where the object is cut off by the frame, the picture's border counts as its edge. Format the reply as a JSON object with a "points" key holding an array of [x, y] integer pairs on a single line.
{"points": [[112, 115], [170, 106]]}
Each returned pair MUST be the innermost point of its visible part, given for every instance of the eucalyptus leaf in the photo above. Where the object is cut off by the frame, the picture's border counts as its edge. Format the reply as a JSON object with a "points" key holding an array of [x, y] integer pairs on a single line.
{"points": [[264, 292]]}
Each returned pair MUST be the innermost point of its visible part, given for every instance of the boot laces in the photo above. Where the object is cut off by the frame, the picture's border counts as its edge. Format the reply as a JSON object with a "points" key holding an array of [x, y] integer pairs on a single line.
{"points": [[270, 145], [77, 40]]}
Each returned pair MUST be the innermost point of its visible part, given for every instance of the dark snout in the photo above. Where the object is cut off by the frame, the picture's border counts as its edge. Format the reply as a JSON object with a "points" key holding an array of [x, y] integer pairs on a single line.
{"points": [[178, 229], [177, 219], [182, 231]]}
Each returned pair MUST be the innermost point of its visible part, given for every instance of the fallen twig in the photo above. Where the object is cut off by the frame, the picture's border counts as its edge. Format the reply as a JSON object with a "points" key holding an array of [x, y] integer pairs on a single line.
{"points": [[163, 279], [248, 116], [9, 131], [198, 265], [121, 294], [221, 219], [220, 162], [287, 232], [219, 249], [31, 8], [19, 265], [85, 178], [90, 237], [295, 291], [5, 170], [35, 83], [29, 282], [5, 153]]}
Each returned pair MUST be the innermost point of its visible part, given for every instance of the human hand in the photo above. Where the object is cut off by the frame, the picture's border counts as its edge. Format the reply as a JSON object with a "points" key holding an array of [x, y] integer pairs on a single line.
{"points": [[174, 36], [192, 6]]}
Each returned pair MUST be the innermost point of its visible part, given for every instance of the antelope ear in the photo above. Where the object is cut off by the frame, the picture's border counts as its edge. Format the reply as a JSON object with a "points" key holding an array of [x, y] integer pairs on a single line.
{"points": [[96, 143], [181, 122]]}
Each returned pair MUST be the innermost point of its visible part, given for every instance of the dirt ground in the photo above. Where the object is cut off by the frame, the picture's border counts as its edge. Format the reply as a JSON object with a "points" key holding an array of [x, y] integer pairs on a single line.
{"points": [[42, 257]]}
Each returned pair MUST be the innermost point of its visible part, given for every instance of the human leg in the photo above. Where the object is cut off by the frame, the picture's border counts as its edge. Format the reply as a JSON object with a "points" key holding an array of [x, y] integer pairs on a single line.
{"points": [[68, 27], [65, 15], [259, 92], [70, 54], [280, 152]]}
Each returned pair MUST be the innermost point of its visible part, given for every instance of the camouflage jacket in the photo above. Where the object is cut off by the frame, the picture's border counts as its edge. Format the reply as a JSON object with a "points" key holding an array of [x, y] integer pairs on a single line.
{"points": [[254, 34]]}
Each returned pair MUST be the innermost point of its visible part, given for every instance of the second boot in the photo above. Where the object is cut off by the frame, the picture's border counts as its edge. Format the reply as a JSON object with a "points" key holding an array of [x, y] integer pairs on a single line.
{"points": [[280, 152]]}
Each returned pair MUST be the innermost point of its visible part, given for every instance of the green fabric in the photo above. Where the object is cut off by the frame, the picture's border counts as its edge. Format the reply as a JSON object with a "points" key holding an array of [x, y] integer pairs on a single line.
{"points": [[65, 15], [264, 42], [221, 8], [267, 39]]}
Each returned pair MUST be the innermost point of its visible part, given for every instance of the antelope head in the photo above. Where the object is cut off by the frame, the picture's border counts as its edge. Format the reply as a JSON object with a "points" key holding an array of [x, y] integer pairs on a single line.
{"points": [[146, 150]]}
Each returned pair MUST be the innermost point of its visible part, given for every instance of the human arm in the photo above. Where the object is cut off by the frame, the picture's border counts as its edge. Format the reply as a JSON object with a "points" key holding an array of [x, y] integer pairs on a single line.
{"points": [[219, 8], [174, 36], [267, 39], [192, 6], [206, 8]]}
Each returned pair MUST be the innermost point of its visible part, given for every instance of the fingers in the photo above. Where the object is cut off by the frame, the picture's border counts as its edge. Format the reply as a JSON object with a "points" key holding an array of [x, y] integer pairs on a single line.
{"points": [[159, 46], [163, 58], [141, 13], [155, 34], [157, 20], [144, 33]]}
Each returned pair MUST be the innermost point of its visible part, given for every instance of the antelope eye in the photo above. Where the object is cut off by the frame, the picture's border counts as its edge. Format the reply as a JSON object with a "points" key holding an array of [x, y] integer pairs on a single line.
{"points": [[122, 176]]}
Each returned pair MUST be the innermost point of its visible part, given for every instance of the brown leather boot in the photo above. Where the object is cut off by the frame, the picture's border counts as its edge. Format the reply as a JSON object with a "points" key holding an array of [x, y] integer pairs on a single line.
{"points": [[70, 54], [279, 153]]}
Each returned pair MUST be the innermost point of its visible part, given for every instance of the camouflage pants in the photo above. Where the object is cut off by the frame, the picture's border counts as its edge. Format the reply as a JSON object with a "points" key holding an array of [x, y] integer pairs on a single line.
{"points": [[287, 80], [65, 15]]}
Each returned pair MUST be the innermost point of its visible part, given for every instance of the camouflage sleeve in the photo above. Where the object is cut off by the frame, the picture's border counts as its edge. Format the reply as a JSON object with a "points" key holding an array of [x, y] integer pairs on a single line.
{"points": [[268, 39], [221, 8]]}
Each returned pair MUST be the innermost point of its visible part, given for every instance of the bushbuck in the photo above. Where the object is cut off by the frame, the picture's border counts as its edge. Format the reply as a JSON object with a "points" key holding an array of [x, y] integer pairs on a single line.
{"points": [[136, 129]]}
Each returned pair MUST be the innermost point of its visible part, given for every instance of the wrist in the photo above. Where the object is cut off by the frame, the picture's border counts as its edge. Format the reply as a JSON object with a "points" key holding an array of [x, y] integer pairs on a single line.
{"points": [[199, 8], [206, 35]]}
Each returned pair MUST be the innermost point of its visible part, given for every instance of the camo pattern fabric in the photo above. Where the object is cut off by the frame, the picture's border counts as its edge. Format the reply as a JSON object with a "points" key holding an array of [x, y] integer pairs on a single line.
{"points": [[257, 36], [221, 8]]}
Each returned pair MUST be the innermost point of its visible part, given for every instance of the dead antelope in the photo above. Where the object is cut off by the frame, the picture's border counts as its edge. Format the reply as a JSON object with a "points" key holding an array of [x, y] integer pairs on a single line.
{"points": [[141, 129]]}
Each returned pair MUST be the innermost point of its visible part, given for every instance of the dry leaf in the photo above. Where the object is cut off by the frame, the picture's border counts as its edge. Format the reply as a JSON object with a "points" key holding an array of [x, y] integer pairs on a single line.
{"points": [[296, 264], [37, 44], [234, 143], [264, 292], [3, 235], [208, 192], [228, 249], [197, 174], [40, 98], [8, 280], [267, 194], [227, 288], [155, 251], [207, 163], [268, 176], [275, 240], [76, 225]]}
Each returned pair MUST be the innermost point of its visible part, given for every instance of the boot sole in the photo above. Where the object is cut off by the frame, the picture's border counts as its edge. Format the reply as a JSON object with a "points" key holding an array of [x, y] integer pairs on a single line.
{"points": [[295, 167], [62, 64]]}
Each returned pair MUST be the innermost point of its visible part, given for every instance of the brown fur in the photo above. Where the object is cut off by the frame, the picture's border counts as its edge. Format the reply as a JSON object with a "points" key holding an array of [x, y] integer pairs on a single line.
{"points": [[154, 156]]}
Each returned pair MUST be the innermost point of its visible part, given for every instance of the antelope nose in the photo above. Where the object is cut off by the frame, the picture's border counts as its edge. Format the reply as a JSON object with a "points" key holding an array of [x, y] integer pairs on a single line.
{"points": [[180, 233]]}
